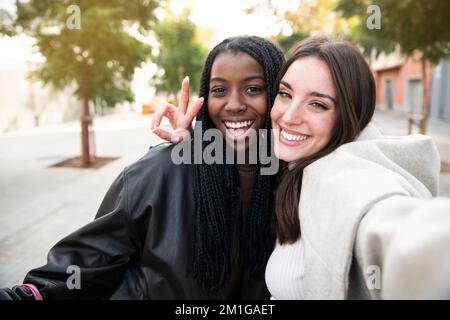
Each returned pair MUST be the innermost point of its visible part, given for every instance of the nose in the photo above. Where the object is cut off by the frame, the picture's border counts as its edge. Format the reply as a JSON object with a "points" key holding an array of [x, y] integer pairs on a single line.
{"points": [[235, 103], [294, 114]]}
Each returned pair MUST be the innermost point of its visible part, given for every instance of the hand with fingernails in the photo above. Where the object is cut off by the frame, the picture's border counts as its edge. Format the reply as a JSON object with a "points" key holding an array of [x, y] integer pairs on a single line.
{"points": [[180, 117]]}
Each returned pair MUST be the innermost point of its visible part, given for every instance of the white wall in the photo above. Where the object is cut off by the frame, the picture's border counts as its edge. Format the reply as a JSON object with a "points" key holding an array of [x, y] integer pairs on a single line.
{"points": [[19, 95]]}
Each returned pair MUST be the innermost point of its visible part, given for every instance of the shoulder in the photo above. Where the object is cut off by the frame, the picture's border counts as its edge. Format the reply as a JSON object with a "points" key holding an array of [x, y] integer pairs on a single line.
{"points": [[156, 154], [156, 172], [158, 161], [382, 162]]}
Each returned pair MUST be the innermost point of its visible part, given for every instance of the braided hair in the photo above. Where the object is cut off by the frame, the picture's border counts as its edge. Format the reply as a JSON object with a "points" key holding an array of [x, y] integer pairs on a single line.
{"points": [[216, 186]]}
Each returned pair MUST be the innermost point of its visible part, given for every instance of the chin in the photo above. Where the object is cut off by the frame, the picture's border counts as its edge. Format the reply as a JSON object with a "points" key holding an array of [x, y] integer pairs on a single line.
{"points": [[238, 147], [286, 158], [287, 155]]}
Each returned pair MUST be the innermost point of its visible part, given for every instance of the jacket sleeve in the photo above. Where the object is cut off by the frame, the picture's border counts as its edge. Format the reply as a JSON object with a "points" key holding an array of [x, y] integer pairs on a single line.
{"points": [[16, 293], [89, 263], [403, 248]]}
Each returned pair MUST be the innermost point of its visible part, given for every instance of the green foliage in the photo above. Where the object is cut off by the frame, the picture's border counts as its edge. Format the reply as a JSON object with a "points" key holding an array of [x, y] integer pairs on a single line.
{"points": [[304, 16], [100, 57], [422, 25], [6, 23], [180, 54], [287, 42]]}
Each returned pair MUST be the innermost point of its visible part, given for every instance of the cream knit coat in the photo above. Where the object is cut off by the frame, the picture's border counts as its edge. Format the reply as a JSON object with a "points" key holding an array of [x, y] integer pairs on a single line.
{"points": [[370, 226]]}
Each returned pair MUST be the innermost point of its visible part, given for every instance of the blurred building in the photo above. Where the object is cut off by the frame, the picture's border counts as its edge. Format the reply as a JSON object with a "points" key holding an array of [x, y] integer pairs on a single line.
{"points": [[399, 85], [25, 103], [440, 91]]}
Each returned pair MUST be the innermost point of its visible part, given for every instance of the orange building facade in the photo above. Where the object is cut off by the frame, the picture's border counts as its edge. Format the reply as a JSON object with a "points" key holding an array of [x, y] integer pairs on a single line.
{"points": [[399, 83]]}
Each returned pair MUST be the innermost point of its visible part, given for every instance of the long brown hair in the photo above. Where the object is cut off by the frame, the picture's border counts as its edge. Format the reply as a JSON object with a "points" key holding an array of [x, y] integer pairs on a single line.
{"points": [[355, 96]]}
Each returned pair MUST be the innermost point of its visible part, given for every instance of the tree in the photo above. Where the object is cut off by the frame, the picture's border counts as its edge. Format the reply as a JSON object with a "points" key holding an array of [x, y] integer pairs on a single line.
{"points": [[6, 23], [287, 42], [411, 25], [180, 53], [304, 16], [88, 44]]}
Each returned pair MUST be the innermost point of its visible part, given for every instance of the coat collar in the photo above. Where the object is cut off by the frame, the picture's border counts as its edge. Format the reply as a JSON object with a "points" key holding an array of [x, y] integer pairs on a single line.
{"points": [[337, 192]]}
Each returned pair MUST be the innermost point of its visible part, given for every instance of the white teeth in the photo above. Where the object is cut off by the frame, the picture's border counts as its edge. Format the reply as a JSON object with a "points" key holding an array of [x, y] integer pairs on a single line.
{"points": [[292, 137], [237, 125]]}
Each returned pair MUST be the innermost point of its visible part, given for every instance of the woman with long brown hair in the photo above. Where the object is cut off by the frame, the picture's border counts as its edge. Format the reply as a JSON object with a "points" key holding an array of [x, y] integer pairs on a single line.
{"points": [[355, 215]]}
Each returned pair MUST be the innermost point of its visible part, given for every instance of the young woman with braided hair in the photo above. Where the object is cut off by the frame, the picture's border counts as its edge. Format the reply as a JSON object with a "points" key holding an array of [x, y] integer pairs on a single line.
{"points": [[357, 212], [186, 231]]}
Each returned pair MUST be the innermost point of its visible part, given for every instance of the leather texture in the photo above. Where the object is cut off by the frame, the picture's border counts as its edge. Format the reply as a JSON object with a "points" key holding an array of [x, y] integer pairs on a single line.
{"points": [[137, 247]]}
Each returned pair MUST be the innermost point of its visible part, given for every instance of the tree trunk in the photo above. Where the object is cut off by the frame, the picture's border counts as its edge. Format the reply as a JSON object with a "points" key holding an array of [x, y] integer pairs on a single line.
{"points": [[425, 96], [86, 121]]}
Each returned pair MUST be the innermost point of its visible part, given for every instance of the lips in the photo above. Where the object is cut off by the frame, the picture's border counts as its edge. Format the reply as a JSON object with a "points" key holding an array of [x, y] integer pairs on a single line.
{"points": [[238, 124], [292, 138], [238, 129]]}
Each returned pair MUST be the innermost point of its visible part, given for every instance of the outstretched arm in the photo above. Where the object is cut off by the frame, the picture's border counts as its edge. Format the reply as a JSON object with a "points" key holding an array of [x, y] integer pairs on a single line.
{"points": [[406, 240]]}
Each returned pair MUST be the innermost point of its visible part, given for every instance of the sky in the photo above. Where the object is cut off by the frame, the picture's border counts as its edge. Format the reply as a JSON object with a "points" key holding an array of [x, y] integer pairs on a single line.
{"points": [[224, 18], [227, 18]]}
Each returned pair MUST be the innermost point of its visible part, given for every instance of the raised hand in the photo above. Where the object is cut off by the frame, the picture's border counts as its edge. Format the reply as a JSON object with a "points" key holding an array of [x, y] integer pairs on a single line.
{"points": [[180, 118]]}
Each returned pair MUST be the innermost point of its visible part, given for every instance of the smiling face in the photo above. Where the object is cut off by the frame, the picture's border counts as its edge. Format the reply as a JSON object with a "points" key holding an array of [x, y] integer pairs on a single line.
{"points": [[237, 98], [304, 111]]}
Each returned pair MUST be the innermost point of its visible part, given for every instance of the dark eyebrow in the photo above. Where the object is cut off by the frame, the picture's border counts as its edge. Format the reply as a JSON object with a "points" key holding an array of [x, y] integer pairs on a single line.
{"points": [[313, 93], [219, 79], [322, 95], [284, 83], [254, 78]]}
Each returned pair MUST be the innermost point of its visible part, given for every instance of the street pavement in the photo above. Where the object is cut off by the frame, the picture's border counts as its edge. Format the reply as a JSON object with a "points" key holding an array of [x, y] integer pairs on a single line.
{"points": [[39, 204]]}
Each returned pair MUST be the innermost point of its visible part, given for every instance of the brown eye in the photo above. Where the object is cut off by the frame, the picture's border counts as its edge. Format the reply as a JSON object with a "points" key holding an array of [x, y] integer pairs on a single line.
{"points": [[253, 90], [218, 90], [319, 106]]}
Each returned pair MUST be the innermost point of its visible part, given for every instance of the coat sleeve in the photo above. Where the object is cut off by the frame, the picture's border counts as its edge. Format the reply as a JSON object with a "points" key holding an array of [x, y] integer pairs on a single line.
{"points": [[89, 263], [402, 248]]}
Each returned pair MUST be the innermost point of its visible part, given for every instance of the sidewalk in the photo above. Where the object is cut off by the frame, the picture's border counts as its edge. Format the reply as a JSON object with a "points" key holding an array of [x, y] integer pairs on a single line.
{"points": [[40, 205]]}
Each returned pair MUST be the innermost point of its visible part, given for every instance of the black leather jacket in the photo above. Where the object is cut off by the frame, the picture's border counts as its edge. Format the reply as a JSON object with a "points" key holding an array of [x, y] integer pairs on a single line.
{"points": [[137, 247]]}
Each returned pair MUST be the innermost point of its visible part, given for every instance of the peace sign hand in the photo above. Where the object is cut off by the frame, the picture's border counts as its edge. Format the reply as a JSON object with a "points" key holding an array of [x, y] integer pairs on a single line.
{"points": [[180, 118]]}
